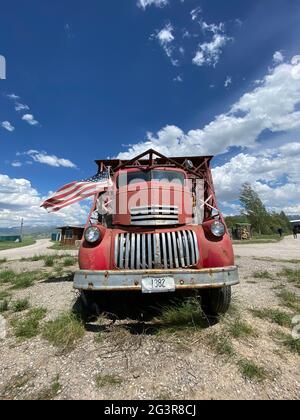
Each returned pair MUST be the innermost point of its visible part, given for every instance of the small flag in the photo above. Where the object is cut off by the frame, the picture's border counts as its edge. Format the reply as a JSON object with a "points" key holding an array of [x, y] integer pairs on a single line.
{"points": [[77, 191]]}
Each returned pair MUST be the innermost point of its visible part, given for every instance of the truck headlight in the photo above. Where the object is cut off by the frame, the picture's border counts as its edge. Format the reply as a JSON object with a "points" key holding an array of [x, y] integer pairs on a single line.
{"points": [[92, 235], [217, 229]]}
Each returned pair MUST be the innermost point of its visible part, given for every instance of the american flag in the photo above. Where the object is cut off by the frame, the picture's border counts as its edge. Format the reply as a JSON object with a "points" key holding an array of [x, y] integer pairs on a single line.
{"points": [[77, 191]]}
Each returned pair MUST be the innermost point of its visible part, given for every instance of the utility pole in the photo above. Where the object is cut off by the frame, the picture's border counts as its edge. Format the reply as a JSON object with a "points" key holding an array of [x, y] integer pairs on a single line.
{"points": [[21, 230]]}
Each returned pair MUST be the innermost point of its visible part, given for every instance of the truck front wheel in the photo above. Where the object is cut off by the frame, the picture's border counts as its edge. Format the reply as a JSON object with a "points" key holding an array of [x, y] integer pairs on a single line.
{"points": [[216, 302]]}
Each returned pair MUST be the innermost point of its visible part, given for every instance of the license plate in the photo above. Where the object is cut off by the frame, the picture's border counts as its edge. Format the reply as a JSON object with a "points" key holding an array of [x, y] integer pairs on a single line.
{"points": [[158, 285]]}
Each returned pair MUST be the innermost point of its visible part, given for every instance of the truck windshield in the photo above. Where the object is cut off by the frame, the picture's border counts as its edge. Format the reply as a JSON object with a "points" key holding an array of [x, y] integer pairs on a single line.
{"points": [[131, 178]]}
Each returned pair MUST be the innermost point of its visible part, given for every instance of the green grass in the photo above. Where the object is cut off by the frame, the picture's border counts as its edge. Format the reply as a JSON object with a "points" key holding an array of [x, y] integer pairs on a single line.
{"points": [[251, 371], [20, 305], [182, 316], [3, 260], [107, 380], [69, 262], [10, 245], [48, 393], [49, 261], [29, 326], [34, 258], [260, 239], [273, 315], [16, 383], [269, 259], [262, 275], [25, 280], [58, 247], [4, 294], [289, 299], [292, 275], [221, 345], [19, 280], [240, 329], [7, 276], [290, 343], [64, 332], [4, 306]]}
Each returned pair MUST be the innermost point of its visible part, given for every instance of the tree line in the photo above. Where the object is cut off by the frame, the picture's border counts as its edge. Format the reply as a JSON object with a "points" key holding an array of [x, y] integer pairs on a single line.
{"points": [[254, 212]]}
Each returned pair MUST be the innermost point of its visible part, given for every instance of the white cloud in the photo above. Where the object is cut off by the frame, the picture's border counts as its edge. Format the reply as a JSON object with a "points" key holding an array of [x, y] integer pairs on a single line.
{"points": [[13, 96], [178, 79], [228, 81], [30, 119], [278, 57], [8, 126], [18, 199], [209, 53], [266, 172], [166, 38], [158, 3], [270, 106], [16, 164], [195, 13], [21, 107], [274, 172], [51, 160]]}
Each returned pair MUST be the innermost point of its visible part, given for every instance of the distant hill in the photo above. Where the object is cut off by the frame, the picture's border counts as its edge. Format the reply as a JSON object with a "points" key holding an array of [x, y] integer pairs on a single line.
{"points": [[295, 217], [36, 231]]}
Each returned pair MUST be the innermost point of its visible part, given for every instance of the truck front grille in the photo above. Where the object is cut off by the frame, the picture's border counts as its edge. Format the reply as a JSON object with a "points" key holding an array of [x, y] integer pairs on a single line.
{"points": [[135, 251], [154, 215]]}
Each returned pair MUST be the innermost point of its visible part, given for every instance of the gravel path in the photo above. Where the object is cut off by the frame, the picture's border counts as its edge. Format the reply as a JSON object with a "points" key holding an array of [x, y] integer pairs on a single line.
{"points": [[39, 248], [158, 366], [288, 248]]}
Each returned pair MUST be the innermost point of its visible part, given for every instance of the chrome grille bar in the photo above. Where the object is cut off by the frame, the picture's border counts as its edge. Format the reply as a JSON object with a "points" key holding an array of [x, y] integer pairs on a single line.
{"points": [[166, 250]]}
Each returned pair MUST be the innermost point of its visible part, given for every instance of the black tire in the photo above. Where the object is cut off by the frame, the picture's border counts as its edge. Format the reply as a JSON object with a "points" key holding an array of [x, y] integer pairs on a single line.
{"points": [[216, 302], [86, 307]]}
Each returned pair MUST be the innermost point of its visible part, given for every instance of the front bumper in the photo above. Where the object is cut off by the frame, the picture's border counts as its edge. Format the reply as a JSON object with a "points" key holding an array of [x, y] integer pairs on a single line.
{"points": [[125, 280]]}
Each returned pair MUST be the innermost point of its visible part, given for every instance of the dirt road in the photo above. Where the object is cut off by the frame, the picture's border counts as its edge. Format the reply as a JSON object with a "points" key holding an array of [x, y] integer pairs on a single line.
{"points": [[247, 355], [39, 248], [287, 249]]}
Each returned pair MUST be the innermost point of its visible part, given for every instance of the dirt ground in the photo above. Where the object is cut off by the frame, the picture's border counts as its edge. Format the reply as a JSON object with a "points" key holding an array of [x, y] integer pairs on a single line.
{"points": [[151, 365], [41, 247]]}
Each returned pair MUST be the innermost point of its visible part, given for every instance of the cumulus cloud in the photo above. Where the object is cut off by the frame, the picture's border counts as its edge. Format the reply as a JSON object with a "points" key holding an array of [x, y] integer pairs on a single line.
{"points": [[270, 106], [278, 57], [51, 160], [29, 118], [18, 199], [8, 126], [158, 3], [265, 171]]}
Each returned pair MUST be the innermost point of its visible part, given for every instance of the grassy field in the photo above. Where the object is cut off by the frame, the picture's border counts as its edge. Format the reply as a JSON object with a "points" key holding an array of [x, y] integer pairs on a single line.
{"points": [[8, 245], [58, 247], [261, 239]]}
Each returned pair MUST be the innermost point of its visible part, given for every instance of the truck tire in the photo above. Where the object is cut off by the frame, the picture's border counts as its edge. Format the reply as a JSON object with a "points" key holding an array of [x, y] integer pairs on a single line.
{"points": [[216, 302], [86, 307]]}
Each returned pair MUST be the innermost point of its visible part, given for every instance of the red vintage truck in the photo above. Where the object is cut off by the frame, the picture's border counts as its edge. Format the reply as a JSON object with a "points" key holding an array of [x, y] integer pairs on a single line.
{"points": [[158, 229]]}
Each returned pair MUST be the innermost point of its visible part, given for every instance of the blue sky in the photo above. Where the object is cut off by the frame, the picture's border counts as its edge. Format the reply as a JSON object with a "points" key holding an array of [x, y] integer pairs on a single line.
{"points": [[84, 80]]}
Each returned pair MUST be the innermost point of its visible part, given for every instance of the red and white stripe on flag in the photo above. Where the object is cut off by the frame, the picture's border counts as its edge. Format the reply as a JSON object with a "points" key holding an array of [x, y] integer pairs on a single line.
{"points": [[74, 192]]}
